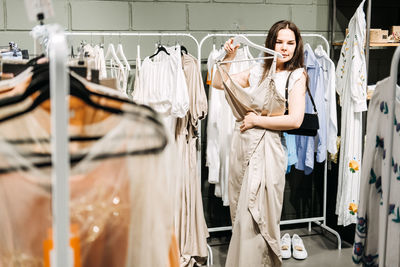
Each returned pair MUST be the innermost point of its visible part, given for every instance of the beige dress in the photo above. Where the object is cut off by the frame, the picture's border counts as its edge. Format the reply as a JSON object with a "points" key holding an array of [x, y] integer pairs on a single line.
{"points": [[191, 228], [257, 177]]}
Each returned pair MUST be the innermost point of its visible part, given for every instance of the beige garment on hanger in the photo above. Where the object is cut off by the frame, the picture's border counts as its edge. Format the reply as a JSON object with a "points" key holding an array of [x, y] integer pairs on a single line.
{"points": [[257, 167], [192, 229]]}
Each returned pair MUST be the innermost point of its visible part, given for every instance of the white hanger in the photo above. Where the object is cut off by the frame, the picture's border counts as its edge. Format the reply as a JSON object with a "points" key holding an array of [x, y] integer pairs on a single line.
{"points": [[111, 52], [138, 57], [243, 40], [121, 54], [246, 49]]}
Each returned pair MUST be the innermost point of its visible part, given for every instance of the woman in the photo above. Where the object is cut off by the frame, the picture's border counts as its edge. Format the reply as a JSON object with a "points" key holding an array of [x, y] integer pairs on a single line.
{"points": [[258, 160]]}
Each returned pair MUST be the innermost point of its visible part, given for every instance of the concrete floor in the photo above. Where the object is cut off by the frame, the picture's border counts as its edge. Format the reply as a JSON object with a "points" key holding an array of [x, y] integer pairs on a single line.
{"points": [[322, 250]]}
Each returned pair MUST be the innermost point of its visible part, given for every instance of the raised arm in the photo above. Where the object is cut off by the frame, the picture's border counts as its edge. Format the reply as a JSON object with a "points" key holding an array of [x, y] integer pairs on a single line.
{"points": [[283, 122], [242, 78]]}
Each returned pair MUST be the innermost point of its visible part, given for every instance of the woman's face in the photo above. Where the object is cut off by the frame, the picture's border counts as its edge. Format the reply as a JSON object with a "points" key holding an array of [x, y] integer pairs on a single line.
{"points": [[285, 44]]}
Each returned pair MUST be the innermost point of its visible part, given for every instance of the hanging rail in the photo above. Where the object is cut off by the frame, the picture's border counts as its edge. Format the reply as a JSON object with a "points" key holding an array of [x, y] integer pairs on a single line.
{"points": [[256, 35], [139, 34]]}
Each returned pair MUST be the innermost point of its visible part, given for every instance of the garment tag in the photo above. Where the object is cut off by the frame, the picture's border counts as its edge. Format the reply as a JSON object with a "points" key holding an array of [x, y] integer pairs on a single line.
{"points": [[73, 251], [35, 7]]}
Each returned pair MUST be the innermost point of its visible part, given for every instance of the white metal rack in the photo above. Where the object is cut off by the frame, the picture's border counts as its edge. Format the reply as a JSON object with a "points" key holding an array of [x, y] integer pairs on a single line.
{"points": [[152, 34], [138, 34], [321, 221], [59, 87], [389, 154]]}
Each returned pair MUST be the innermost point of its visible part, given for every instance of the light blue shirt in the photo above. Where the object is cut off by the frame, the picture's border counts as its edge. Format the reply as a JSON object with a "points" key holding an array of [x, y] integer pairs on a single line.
{"points": [[306, 145], [291, 150]]}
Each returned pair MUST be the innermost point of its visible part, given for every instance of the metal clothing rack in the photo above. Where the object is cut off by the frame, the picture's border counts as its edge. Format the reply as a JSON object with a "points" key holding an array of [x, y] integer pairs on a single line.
{"points": [[59, 86], [321, 221], [386, 187], [153, 34]]}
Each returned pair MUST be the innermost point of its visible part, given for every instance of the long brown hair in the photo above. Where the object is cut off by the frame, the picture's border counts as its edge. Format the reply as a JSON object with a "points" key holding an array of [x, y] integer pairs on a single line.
{"points": [[297, 61]]}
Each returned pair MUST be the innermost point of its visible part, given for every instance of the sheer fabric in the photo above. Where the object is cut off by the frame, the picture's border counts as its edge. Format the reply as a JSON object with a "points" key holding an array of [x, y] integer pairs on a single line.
{"points": [[118, 205]]}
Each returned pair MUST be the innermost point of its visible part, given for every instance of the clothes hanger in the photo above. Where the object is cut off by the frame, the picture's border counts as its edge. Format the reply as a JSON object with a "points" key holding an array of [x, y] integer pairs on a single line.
{"points": [[17, 68], [160, 48], [113, 55], [247, 50], [145, 113], [78, 90], [183, 49], [138, 61], [40, 79], [40, 82], [243, 40], [121, 54]]}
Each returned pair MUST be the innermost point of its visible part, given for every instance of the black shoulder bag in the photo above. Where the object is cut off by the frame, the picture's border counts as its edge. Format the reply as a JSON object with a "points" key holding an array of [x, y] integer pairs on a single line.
{"points": [[310, 125]]}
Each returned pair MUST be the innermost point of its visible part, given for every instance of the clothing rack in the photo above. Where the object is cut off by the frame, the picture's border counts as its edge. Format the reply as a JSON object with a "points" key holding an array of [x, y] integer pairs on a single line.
{"points": [[152, 34], [59, 86], [383, 230], [321, 221]]}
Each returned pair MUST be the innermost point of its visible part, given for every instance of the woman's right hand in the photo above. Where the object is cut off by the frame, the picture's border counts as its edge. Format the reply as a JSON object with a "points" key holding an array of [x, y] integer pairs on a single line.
{"points": [[230, 49]]}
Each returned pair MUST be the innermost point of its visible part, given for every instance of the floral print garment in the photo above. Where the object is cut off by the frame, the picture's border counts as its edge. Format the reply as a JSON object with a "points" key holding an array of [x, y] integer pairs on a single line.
{"points": [[372, 213], [351, 87]]}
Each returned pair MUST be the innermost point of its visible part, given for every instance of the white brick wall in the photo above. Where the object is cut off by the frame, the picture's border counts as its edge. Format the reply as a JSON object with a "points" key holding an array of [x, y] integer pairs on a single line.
{"points": [[225, 17], [159, 16], [100, 15]]}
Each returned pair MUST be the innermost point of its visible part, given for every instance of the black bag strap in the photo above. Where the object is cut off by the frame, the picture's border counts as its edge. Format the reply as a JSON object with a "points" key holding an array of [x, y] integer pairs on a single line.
{"points": [[287, 96]]}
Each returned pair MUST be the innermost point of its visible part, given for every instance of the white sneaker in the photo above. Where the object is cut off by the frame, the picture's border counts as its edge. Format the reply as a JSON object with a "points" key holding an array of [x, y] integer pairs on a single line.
{"points": [[285, 246], [299, 251]]}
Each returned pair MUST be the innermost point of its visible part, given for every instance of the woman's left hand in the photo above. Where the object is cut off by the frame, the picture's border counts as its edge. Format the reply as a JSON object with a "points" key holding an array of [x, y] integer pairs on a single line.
{"points": [[249, 121]]}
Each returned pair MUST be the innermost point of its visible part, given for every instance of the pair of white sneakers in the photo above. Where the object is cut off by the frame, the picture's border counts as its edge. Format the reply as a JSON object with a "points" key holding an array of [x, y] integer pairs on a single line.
{"points": [[296, 244]]}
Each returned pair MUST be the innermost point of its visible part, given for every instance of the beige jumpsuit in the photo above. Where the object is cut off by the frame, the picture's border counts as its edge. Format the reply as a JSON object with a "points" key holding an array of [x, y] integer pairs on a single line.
{"points": [[257, 178]]}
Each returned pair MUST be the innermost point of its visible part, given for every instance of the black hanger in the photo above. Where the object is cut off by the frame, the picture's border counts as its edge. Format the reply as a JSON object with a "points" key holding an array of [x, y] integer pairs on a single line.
{"points": [[40, 80], [40, 83], [183, 49], [34, 60], [160, 49]]}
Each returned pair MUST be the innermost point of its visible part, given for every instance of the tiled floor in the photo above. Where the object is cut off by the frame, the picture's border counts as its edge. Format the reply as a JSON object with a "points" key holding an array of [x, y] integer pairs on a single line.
{"points": [[322, 251]]}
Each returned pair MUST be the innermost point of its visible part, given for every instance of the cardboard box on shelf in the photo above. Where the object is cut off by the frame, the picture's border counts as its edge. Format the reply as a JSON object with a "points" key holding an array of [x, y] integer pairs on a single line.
{"points": [[376, 35], [395, 29], [379, 35]]}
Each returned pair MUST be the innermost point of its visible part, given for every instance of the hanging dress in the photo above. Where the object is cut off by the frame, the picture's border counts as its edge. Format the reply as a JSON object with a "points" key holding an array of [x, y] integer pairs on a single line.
{"points": [[350, 85], [192, 230], [257, 177]]}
